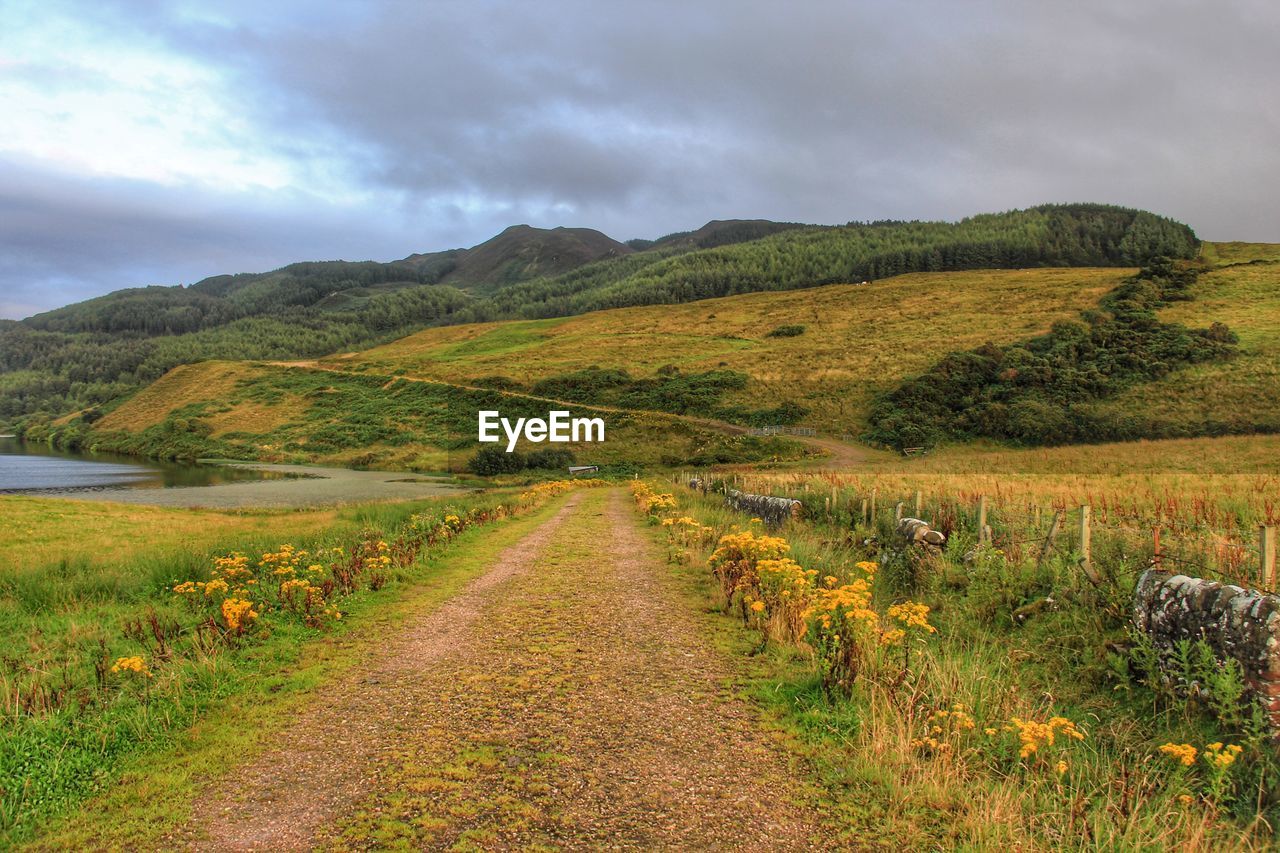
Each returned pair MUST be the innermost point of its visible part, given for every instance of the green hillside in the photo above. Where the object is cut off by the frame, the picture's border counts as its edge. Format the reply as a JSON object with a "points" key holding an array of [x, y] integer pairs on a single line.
{"points": [[282, 413], [94, 352]]}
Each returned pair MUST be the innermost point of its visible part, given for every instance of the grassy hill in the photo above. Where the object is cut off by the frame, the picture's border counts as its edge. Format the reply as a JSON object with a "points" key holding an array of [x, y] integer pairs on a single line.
{"points": [[283, 413], [88, 354], [1242, 290], [856, 340]]}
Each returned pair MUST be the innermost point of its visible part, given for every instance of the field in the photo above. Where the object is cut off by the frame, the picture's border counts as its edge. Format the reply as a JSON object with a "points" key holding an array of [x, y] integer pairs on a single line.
{"points": [[39, 532], [858, 340]]}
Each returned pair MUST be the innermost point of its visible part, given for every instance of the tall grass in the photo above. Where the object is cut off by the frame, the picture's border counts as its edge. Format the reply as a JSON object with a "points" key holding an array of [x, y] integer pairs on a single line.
{"points": [[1113, 790]]}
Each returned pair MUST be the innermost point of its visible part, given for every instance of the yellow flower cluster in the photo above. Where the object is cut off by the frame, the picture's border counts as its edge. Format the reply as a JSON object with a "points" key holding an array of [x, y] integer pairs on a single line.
{"points": [[136, 665], [785, 589], [912, 615], [650, 501], [736, 559], [944, 728], [1221, 757], [238, 614], [1183, 753], [1033, 735], [552, 488]]}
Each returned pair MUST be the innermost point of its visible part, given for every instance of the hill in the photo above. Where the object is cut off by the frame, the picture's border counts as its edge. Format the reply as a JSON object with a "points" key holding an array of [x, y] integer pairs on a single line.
{"points": [[719, 232], [85, 355], [296, 413], [520, 253], [1199, 359], [854, 341]]}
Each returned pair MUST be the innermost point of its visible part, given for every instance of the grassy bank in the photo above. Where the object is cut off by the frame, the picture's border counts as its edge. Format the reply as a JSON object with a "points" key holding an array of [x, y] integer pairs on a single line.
{"points": [[938, 718], [108, 662]]}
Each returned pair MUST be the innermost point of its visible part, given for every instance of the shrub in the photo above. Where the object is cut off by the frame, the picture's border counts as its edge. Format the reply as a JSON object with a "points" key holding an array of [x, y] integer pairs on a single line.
{"points": [[493, 460], [790, 330]]}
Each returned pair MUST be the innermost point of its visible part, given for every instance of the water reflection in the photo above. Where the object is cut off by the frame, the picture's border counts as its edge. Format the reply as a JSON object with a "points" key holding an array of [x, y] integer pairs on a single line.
{"points": [[33, 468]]}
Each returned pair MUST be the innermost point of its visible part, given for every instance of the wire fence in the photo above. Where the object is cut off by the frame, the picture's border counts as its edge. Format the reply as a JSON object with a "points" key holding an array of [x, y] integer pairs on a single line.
{"points": [[1196, 540]]}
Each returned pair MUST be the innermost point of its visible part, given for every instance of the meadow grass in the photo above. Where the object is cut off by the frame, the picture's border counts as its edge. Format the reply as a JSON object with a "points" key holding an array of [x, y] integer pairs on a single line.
{"points": [[70, 721], [157, 791], [41, 532], [888, 788]]}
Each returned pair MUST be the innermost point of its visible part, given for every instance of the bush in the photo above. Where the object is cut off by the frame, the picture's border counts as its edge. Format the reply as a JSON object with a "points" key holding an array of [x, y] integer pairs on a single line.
{"points": [[493, 460], [550, 458], [789, 331]]}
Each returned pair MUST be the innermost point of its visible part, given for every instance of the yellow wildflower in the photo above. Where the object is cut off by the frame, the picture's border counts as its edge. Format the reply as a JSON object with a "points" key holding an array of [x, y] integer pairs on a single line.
{"points": [[1184, 753]]}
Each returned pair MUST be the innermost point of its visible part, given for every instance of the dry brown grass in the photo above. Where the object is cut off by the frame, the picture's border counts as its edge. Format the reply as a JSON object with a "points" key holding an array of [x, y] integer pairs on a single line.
{"points": [[188, 383]]}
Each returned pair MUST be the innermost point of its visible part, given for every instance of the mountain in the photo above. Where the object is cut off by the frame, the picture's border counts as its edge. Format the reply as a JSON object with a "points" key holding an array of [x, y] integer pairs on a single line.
{"points": [[719, 232], [88, 354], [519, 253]]}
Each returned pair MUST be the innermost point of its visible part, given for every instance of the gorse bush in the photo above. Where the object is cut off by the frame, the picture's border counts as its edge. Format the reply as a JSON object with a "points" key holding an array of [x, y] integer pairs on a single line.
{"points": [[1036, 392], [790, 330]]}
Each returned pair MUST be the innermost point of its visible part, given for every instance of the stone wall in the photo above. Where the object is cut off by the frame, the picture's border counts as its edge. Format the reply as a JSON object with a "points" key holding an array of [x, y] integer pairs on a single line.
{"points": [[1238, 624], [768, 509]]}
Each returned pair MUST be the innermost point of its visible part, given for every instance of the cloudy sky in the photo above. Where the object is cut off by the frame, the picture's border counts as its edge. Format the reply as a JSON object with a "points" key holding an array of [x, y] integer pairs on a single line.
{"points": [[158, 141]]}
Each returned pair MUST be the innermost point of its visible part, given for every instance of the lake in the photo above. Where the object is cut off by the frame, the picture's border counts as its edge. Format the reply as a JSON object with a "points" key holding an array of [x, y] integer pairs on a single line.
{"points": [[37, 468], [39, 471]]}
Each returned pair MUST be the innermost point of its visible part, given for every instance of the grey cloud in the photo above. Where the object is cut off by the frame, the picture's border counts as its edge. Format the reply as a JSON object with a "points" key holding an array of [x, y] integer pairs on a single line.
{"points": [[458, 118]]}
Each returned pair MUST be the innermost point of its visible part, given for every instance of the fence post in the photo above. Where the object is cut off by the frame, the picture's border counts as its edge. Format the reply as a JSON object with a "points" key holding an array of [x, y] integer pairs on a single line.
{"points": [[897, 512], [919, 504], [866, 519], [1267, 551], [982, 518], [1048, 540], [1086, 537], [872, 518]]}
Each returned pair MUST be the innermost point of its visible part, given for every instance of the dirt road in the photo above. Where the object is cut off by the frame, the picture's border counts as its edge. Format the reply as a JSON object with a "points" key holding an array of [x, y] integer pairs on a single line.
{"points": [[568, 698]]}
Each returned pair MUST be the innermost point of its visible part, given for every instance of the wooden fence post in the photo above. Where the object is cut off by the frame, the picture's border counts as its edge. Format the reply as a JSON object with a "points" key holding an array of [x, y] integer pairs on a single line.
{"points": [[871, 519], [1086, 545], [982, 518], [1267, 552], [866, 519], [1048, 540], [919, 503], [897, 512], [1086, 537]]}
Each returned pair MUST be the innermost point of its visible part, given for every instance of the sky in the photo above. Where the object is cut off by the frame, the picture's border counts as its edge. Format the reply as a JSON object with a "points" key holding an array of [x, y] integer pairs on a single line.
{"points": [[159, 142]]}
